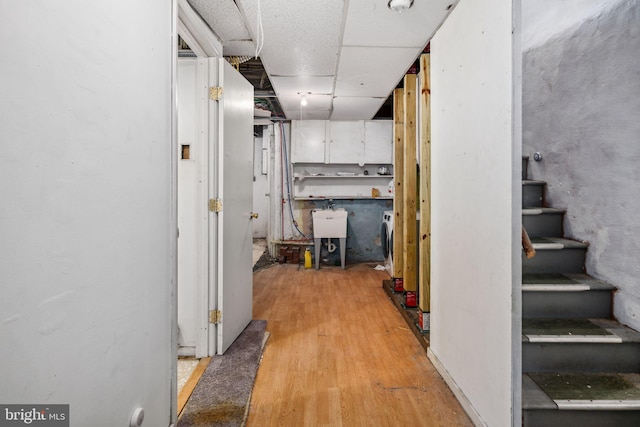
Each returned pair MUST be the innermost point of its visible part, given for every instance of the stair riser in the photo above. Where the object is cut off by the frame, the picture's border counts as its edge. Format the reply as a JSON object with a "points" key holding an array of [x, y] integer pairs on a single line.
{"points": [[581, 305], [543, 225], [555, 261], [548, 418], [580, 357], [532, 195], [525, 164]]}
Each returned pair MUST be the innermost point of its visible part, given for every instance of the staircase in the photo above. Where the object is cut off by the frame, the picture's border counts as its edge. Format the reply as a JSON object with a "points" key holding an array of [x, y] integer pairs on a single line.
{"points": [[580, 367]]}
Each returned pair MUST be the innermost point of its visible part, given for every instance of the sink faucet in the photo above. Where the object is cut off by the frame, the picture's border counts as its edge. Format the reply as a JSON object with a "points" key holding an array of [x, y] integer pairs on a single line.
{"points": [[331, 206]]}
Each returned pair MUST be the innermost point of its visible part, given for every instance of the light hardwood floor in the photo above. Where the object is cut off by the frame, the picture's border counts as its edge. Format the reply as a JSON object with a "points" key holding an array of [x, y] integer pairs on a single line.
{"points": [[340, 354]]}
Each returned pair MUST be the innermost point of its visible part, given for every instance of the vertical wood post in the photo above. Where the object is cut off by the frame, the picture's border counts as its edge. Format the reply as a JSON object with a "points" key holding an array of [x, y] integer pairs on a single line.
{"points": [[398, 170], [410, 186], [425, 184]]}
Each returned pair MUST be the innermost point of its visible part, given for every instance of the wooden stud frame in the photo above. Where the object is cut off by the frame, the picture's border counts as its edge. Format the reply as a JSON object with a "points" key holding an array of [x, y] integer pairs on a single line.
{"points": [[398, 170], [409, 230], [424, 302]]}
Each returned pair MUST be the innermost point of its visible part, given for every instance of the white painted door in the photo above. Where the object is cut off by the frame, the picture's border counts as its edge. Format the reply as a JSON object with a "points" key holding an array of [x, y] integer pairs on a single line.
{"points": [[233, 186], [87, 221]]}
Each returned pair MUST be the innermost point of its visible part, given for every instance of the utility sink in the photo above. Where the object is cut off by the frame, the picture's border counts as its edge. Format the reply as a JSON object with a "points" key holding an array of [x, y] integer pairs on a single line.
{"points": [[329, 223]]}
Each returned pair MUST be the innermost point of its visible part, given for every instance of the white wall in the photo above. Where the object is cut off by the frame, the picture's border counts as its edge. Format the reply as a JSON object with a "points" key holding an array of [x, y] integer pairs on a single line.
{"points": [[475, 209], [260, 187], [87, 254], [193, 268], [581, 105]]}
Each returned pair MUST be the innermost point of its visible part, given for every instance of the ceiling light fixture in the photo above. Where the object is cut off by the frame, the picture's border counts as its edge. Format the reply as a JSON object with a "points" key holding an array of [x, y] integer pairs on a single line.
{"points": [[399, 5], [303, 97]]}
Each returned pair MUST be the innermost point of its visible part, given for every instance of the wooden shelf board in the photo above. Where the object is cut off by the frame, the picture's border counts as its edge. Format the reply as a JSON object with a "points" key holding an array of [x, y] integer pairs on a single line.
{"points": [[342, 198], [302, 178]]}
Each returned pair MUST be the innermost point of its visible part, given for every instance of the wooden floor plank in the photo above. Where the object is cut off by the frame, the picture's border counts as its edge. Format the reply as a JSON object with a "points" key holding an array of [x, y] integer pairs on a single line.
{"points": [[340, 354], [191, 383]]}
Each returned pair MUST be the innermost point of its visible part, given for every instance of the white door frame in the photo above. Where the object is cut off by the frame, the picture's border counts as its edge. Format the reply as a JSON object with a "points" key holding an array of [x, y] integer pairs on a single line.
{"points": [[206, 45], [203, 226]]}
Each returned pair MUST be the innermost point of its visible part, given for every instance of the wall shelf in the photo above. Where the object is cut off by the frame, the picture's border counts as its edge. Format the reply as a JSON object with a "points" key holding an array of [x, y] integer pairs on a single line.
{"points": [[322, 198], [302, 178], [320, 182]]}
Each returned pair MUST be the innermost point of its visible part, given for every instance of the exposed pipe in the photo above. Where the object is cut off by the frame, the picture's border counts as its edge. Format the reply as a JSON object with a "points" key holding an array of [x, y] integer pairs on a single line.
{"points": [[281, 186], [286, 165]]}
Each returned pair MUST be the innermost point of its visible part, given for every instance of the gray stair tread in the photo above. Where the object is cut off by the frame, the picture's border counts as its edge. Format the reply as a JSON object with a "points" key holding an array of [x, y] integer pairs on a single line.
{"points": [[612, 391], [577, 330], [563, 282], [540, 211], [627, 334], [554, 243], [533, 182], [533, 397]]}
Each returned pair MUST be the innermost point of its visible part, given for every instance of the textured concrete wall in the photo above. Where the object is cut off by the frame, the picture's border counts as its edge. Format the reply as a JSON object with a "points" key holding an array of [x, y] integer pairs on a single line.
{"points": [[546, 19], [581, 109]]}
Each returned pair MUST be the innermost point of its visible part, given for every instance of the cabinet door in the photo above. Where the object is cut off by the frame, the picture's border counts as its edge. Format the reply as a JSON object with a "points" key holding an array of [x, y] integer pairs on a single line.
{"points": [[378, 141], [346, 142], [308, 145]]}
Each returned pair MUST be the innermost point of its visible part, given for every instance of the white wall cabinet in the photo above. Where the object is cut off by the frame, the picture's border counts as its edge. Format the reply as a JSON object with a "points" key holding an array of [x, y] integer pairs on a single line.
{"points": [[342, 142], [378, 141], [346, 142], [308, 141]]}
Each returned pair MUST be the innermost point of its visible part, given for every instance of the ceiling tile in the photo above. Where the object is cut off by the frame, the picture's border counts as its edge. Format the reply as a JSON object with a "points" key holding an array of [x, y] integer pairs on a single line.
{"points": [[308, 115], [315, 85], [238, 48], [372, 71], [372, 23], [354, 108], [291, 102], [224, 18], [308, 48], [300, 38]]}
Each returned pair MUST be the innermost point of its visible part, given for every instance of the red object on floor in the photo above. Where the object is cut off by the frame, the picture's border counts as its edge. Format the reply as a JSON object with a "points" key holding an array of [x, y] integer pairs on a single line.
{"points": [[410, 299], [398, 285]]}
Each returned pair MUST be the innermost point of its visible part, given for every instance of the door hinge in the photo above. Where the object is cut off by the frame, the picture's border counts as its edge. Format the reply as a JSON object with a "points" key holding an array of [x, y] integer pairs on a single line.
{"points": [[215, 205], [215, 316], [215, 93]]}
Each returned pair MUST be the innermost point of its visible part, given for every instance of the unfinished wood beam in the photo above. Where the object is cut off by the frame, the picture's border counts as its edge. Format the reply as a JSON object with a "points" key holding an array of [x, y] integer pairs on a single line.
{"points": [[424, 288], [410, 185], [398, 170]]}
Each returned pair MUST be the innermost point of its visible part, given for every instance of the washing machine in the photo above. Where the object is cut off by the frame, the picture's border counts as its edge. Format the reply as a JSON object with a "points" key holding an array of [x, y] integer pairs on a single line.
{"points": [[386, 234]]}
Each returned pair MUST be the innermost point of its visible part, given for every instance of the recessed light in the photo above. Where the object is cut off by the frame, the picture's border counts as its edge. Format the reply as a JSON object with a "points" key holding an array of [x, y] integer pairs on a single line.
{"points": [[399, 5]]}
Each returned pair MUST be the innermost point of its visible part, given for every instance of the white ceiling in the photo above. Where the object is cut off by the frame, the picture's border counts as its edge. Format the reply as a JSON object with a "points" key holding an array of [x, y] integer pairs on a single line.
{"points": [[348, 55]]}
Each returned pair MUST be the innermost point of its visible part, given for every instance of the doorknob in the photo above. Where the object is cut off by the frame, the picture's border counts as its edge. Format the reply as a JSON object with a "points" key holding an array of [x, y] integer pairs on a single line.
{"points": [[254, 215]]}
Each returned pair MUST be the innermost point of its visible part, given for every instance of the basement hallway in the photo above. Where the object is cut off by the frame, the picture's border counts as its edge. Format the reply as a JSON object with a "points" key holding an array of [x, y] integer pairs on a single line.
{"points": [[339, 354]]}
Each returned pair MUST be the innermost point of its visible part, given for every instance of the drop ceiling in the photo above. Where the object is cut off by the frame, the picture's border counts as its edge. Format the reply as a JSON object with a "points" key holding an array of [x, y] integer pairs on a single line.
{"points": [[346, 55]]}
